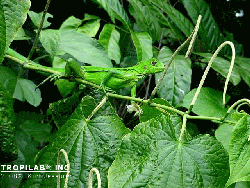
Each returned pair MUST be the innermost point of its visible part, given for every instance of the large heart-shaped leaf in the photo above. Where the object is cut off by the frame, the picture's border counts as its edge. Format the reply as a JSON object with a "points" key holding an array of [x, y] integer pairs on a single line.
{"points": [[152, 156], [239, 152], [89, 144]]}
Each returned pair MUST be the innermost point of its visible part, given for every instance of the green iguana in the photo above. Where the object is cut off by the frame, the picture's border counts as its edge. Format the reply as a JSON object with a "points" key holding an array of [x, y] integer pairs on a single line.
{"points": [[113, 78]]}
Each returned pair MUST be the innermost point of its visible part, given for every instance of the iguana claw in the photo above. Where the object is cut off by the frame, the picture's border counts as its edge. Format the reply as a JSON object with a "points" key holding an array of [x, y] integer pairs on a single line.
{"points": [[50, 78]]}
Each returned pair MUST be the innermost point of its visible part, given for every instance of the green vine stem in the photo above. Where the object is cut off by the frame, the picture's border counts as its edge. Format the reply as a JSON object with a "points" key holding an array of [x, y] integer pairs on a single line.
{"points": [[91, 176], [167, 108], [62, 151], [206, 72], [193, 34]]}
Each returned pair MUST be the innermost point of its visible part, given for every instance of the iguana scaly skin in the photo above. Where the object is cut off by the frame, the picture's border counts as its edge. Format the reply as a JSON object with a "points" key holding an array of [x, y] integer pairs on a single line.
{"points": [[107, 78], [114, 78]]}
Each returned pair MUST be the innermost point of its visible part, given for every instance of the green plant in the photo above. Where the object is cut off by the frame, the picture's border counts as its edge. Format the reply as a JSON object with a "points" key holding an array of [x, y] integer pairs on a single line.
{"points": [[163, 150]]}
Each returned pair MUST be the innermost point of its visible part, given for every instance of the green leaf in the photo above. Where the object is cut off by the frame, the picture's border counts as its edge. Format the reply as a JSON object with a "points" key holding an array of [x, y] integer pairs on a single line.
{"points": [[84, 49], [178, 18], [39, 131], [8, 79], [177, 81], [21, 35], [239, 152], [223, 134], [143, 45], [222, 65], [209, 31], [37, 18], [65, 87], [242, 184], [27, 146], [62, 109], [152, 156], [243, 66], [12, 16], [238, 115], [150, 112], [7, 118], [145, 19], [71, 23], [91, 27], [9, 179], [89, 144], [208, 103], [50, 40], [109, 38], [115, 10], [26, 90]]}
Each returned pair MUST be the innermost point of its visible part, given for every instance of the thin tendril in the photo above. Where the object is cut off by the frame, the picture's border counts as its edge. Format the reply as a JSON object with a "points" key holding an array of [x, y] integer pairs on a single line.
{"points": [[206, 72], [68, 165], [172, 58], [99, 181]]}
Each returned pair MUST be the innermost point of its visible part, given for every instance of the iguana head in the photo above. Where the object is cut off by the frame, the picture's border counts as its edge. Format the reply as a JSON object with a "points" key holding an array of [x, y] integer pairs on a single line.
{"points": [[151, 66]]}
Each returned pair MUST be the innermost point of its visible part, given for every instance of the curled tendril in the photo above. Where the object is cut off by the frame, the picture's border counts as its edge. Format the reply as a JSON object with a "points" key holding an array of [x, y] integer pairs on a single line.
{"points": [[62, 151], [244, 103], [239, 103], [207, 69], [91, 176]]}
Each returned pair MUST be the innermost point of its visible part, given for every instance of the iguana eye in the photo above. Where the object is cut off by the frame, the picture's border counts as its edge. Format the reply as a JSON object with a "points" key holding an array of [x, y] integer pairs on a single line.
{"points": [[153, 63]]}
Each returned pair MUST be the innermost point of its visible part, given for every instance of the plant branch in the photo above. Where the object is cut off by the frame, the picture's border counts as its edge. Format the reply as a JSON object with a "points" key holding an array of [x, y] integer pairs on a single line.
{"points": [[39, 31], [173, 56]]}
